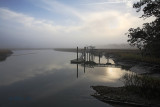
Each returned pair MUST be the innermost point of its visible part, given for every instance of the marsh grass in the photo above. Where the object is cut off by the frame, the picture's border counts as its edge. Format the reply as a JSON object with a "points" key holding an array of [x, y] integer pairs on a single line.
{"points": [[138, 57], [143, 85]]}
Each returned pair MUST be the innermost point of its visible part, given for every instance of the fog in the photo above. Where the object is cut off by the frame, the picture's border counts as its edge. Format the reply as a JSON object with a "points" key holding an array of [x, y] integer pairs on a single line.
{"points": [[51, 24]]}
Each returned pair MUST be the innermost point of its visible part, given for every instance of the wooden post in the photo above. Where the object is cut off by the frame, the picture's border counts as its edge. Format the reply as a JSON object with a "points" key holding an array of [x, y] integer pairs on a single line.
{"points": [[84, 54], [87, 53], [77, 53], [84, 58], [84, 67], [99, 58], [77, 70], [89, 56]]}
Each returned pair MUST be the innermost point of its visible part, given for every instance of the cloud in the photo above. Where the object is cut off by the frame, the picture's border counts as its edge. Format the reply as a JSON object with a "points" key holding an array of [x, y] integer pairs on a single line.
{"points": [[106, 2], [60, 8], [25, 20], [90, 27], [110, 2]]}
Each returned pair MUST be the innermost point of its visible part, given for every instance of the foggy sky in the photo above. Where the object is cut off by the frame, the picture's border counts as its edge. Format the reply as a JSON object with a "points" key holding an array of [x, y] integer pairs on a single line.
{"points": [[65, 23]]}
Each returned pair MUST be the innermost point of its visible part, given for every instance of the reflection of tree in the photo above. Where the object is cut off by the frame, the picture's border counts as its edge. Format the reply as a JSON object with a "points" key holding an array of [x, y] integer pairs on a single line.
{"points": [[4, 54]]}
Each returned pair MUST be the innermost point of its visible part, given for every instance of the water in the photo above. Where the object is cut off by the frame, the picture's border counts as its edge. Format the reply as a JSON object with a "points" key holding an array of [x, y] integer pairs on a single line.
{"points": [[45, 78]]}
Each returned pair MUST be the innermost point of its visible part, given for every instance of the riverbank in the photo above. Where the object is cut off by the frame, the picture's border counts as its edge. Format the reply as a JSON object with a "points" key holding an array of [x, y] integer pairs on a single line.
{"points": [[4, 53], [122, 96]]}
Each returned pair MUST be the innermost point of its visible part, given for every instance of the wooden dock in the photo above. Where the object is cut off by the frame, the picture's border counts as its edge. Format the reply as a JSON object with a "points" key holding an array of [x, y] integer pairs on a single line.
{"points": [[87, 59]]}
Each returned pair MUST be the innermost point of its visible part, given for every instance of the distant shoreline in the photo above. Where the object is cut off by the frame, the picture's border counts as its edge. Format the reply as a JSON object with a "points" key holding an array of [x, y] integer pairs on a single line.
{"points": [[98, 50], [14, 49]]}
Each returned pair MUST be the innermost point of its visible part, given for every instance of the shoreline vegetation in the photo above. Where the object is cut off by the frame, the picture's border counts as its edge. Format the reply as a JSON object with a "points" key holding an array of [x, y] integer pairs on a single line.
{"points": [[137, 57], [138, 90], [4, 53]]}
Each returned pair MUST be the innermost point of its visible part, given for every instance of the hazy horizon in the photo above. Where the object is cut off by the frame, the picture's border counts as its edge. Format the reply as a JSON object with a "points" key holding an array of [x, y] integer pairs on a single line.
{"points": [[105, 46], [60, 23]]}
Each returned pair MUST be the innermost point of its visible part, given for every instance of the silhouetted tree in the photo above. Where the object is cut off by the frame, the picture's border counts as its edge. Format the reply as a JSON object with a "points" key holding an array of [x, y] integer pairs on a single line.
{"points": [[151, 7], [147, 38]]}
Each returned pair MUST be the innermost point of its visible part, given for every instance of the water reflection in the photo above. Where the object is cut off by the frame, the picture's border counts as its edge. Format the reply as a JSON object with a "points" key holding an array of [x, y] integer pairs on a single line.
{"points": [[113, 74], [19, 68], [110, 71], [49, 79], [77, 70]]}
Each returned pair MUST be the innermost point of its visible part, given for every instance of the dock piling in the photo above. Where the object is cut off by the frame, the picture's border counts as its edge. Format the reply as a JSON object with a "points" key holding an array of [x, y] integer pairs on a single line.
{"points": [[99, 58], [77, 53]]}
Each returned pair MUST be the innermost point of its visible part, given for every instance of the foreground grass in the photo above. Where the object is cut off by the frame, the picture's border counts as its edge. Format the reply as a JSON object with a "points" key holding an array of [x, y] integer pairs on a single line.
{"points": [[118, 95], [143, 85], [138, 90]]}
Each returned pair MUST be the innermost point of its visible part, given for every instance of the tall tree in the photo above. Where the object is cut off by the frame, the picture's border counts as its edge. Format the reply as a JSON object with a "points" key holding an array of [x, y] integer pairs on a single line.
{"points": [[147, 38]]}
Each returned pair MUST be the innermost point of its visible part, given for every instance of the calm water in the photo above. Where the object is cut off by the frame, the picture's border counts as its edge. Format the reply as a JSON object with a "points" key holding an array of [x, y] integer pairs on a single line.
{"points": [[47, 79]]}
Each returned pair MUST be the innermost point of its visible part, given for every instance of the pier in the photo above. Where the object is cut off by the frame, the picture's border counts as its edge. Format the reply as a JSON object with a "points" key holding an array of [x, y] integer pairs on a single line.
{"points": [[88, 55]]}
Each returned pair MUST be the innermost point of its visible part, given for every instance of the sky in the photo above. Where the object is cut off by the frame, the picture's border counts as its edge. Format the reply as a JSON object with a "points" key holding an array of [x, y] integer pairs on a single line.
{"points": [[66, 23]]}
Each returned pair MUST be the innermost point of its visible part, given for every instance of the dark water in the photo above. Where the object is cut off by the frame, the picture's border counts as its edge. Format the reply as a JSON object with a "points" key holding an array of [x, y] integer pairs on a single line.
{"points": [[47, 79]]}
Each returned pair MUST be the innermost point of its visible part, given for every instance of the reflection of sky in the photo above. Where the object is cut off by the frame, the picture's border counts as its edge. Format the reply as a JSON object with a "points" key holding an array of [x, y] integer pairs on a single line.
{"points": [[114, 73], [18, 68], [103, 60], [106, 76], [49, 75]]}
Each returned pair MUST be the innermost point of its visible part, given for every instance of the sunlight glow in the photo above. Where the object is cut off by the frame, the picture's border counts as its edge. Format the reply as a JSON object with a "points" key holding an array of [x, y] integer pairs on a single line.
{"points": [[112, 74]]}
